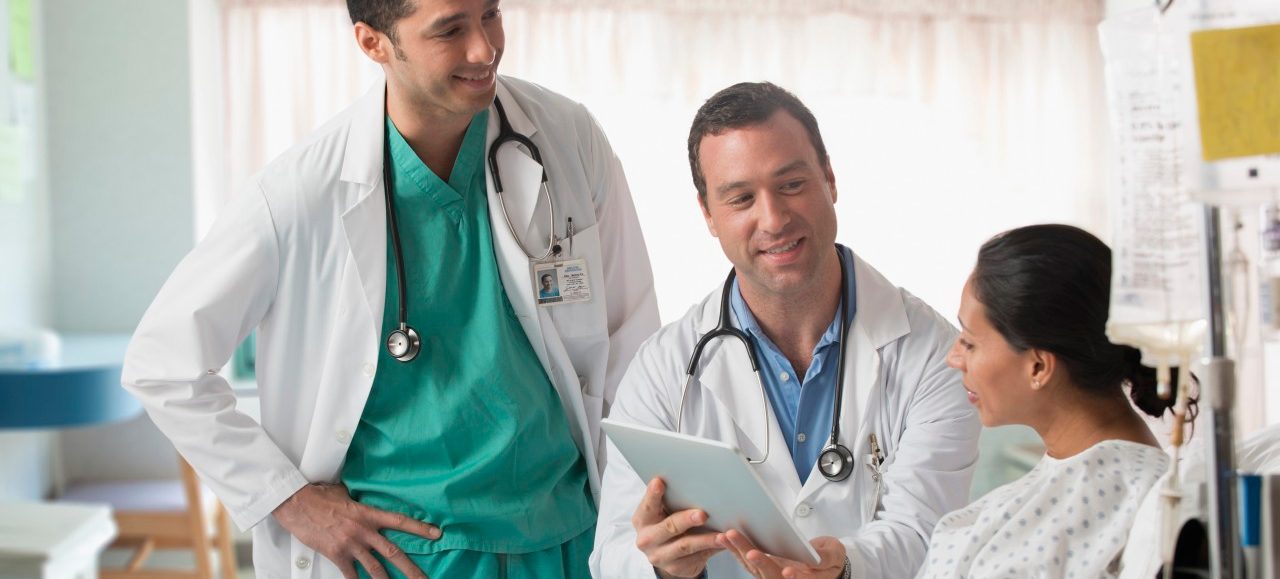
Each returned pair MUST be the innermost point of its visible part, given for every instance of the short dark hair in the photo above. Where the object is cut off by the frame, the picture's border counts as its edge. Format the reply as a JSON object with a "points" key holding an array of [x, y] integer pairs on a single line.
{"points": [[380, 15], [547, 276], [743, 105], [1048, 287]]}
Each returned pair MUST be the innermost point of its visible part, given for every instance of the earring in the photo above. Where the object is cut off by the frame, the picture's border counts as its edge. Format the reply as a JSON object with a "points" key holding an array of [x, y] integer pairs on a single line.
{"points": [[1035, 385]]}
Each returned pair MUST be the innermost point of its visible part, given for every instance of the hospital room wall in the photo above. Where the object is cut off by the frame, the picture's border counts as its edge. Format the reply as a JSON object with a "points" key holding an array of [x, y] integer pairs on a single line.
{"points": [[115, 216], [25, 456], [119, 156]]}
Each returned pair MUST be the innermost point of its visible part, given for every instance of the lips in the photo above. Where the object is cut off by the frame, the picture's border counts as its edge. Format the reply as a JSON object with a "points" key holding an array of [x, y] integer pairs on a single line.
{"points": [[973, 396], [783, 248], [478, 80]]}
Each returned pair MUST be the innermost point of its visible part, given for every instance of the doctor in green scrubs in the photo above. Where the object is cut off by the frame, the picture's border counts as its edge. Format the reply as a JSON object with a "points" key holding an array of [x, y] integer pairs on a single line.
{"points": [[463, 459], [470, 435]]}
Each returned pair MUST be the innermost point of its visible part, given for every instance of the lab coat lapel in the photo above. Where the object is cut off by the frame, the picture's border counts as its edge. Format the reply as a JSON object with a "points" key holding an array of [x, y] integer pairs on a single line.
{"points": [[364, 222], [521, 175], [725, 373], [881, 319], [513, 263]]}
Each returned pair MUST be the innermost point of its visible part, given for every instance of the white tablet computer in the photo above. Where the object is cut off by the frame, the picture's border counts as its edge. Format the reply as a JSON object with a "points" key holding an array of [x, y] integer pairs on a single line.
{"points": [[715, 477]]}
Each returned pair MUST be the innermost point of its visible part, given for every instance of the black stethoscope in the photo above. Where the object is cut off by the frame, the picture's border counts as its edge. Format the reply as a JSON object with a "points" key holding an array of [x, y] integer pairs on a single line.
{"points": [[404, 343], [836, 461]]}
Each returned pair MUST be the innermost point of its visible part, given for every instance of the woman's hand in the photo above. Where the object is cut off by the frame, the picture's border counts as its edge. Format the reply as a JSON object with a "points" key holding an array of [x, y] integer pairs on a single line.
{"points": [[831, 562]]}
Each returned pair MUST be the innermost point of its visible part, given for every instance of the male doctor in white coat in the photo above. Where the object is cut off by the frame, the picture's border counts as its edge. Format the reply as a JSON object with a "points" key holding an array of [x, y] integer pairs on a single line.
{"points": [[767, 190], [479, 456]]}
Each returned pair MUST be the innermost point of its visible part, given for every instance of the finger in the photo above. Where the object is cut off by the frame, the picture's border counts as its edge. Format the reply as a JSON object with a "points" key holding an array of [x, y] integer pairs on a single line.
{"points": [[347, 569], [765, 564], [370, 564], [691, 565], [650, 509], [723, 540], [831, 552], [831, 556], [670, 527], [397, 557], [686, 545], [402, 522]]}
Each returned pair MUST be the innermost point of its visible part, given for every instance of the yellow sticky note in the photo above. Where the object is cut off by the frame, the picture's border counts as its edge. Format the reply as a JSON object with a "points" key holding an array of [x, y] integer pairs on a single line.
{"points": [[1237, 73]]}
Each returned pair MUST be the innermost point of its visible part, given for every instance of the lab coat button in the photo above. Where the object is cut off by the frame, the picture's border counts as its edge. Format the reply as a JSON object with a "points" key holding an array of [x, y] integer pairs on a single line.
{"points": [[302, 562], [368, 370], [803, 510], [344, 436]]}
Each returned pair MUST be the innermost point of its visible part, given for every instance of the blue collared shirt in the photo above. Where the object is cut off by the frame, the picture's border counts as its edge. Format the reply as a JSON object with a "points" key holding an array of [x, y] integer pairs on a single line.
{"points": [[802, 406]]}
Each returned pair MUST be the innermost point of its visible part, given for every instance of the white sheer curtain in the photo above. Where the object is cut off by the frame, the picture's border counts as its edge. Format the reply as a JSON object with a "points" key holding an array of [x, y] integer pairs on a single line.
{"points": [[947, 122]]}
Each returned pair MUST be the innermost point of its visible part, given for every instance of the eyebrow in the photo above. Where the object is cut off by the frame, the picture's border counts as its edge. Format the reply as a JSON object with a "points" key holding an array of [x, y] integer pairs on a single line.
{"points": [[789, 167], [456, 17], [961, 322]]}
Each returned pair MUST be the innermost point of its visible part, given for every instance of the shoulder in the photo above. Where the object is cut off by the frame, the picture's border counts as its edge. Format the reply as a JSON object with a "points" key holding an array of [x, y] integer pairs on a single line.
{"points": [[312, 163], [305, 182], [896, 312], [544, 106], [1131, 466], [674, 342]]}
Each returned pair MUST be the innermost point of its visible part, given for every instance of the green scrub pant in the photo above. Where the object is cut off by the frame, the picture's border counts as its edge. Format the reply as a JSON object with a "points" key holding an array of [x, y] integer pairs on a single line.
{"points": [[568, 560]]}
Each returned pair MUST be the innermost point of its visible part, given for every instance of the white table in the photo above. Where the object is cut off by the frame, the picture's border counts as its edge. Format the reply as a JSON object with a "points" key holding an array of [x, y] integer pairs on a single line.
{"points": [[53, 541]]}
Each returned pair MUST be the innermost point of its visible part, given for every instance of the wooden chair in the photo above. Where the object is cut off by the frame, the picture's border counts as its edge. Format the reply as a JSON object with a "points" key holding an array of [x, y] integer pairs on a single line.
{"points": [[159, 515]]}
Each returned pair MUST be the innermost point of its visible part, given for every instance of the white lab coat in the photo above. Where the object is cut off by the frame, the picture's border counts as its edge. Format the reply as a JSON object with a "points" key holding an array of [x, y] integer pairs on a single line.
{"points": [[302, 255], [897, 385]]}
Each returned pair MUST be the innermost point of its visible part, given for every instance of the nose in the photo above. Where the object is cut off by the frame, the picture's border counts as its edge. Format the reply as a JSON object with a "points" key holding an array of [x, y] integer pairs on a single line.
{"points": [[480, 48], [955, 356], [774, 214]]}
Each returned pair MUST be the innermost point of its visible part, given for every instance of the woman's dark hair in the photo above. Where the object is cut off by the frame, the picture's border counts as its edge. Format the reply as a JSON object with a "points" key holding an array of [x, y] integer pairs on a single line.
{"points": [[1048, 287]]}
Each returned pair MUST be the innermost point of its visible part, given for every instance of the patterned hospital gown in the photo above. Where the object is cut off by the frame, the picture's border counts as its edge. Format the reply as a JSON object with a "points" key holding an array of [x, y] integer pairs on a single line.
{"points": [[1066, 518]]}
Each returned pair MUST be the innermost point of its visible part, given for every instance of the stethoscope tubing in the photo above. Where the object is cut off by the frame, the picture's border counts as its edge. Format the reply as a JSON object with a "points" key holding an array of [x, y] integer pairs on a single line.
{"points": [[724, 329], [506, 135]]}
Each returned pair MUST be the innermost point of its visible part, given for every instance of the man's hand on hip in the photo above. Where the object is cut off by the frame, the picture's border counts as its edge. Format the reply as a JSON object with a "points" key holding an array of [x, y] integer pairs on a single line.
{"points": [[324, 517]]}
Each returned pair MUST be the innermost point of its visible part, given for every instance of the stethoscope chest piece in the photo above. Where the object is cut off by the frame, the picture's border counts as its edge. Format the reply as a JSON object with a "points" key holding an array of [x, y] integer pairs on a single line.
{"points": [[404, 344], [835, 462]]}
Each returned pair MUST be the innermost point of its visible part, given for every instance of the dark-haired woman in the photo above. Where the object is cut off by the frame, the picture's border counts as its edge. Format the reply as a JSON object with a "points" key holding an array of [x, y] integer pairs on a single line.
{"points": [[1033, 351]]}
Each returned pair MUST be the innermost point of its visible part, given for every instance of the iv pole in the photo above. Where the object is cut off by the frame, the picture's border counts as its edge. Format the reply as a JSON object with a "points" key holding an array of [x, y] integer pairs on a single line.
{"points": [[1219, 391]]}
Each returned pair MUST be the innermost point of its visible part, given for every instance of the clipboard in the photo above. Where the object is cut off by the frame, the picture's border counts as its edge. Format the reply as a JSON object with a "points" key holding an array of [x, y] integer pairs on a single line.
{"points": [[715, 477]]}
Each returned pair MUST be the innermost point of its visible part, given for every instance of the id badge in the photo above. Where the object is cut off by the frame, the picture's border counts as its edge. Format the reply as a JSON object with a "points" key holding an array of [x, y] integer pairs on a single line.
{"points": [[561, 282]]}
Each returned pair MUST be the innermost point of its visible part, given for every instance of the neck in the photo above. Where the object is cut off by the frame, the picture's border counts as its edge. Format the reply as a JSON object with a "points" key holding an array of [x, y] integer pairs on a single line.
{"points": [[1080, 421], [433, 135], [796, 322]]}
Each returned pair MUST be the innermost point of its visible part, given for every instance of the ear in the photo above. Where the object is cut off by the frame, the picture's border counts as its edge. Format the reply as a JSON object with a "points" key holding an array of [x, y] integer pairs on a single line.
{"points": [[375, 44], [1043, 366], [706, 215], [831, 178]]}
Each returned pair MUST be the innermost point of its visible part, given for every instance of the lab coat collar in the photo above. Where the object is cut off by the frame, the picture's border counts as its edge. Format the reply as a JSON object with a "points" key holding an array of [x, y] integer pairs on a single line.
{"points": [[521, 195], [881, 315], [362, 162]]}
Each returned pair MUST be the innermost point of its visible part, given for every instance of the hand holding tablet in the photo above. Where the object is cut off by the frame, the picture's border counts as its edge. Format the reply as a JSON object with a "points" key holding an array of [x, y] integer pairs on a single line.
{"points": [[708, 478]]}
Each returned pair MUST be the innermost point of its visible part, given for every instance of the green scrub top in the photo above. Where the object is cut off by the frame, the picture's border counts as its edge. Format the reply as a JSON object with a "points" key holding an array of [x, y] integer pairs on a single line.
{"points": [[470, 435]]}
